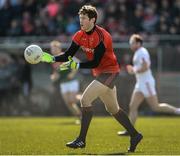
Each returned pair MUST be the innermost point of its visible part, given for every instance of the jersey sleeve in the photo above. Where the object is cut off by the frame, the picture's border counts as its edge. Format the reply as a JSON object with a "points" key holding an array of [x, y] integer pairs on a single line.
{"points": [[105, 37], [69, 52], [76, 37], [107, 40]]}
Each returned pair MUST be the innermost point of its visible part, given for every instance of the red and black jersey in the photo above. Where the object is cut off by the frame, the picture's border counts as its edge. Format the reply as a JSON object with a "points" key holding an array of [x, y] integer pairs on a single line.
{"points": [[97, 44], [88, 42]]}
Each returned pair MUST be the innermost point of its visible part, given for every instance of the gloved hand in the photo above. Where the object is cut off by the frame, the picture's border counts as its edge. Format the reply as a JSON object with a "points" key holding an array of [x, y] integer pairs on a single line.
{"points": [[71, 64], [48, 58]]}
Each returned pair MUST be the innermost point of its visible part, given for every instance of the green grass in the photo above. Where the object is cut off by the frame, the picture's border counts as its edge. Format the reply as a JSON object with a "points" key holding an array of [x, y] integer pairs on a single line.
{"points": [[40, 136]]}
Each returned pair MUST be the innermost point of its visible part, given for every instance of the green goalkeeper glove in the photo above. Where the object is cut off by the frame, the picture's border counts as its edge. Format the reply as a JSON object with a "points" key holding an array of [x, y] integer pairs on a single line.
{"points": [[71, 64], [48, 58]]}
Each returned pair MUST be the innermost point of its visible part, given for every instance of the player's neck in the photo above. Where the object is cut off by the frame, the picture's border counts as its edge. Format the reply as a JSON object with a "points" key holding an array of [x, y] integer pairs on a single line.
{"points": [[90, 30], [137, 48]]}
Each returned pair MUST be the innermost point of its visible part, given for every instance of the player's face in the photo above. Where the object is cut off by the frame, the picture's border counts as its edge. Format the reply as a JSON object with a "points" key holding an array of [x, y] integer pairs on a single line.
{"points": [[86, 23], [55, 50], [133, 44]]}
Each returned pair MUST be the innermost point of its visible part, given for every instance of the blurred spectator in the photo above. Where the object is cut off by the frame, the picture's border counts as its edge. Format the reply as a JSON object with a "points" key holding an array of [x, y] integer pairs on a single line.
{"points": [[72, 26], [52, 8], [6, 13], [9, 82], [112, 25], [27, 24], [71, 8], [30, 6], [25, 75], [150, 20], [137, 19], [15, 29], [40, 27], [59, 17]]}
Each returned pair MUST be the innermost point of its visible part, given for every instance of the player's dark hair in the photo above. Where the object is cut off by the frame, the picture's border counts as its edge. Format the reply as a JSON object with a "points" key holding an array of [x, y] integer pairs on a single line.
{"points": [[89, 10], [137, 38]]}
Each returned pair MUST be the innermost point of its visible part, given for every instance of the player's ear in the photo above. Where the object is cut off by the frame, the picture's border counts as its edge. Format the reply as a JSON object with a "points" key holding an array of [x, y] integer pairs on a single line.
{"points": [[137, 44], [93, 20]]}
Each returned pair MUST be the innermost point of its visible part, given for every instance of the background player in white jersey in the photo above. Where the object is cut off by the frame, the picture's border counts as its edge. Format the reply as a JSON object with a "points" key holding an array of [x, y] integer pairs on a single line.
{"points": [[145, 83]]}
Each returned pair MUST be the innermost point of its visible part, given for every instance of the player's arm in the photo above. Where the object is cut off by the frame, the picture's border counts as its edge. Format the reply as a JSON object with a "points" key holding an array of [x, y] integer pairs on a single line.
{"points": [[144, 66], [54, 76], [63, 57], [130, 69], [98, 54], [141, 67], [69, 52]]}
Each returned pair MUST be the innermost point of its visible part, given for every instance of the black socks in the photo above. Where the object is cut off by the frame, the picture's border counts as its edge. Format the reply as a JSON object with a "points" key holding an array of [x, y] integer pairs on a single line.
{"points": [[87, 114], [123, 119]]}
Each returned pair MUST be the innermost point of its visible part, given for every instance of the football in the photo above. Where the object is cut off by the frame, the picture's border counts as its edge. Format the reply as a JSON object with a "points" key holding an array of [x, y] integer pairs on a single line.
{"points": [[33, 54]]}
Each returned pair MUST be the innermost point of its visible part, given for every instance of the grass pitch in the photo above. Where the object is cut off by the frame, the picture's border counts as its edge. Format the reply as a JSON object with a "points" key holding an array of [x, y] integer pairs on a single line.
{"points": [[40, 136]]}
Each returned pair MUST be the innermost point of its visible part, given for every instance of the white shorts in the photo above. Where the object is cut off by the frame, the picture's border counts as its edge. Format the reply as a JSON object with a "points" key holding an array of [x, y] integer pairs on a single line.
{"points": [[147, 88], [70, 86]]}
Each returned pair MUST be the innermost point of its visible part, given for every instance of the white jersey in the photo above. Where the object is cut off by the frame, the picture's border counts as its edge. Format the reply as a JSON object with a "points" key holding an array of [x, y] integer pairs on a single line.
{"points": [[138, 57], [145, 82]]}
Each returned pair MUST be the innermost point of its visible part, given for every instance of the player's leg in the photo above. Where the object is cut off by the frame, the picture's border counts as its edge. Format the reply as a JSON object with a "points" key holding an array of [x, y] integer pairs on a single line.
{"points": [[69, 99], [94, 90], [136, 100], [110, 100], [161, 107], [73, 96], [68, 91], [65, 91], [75, 108], [152, 99]]}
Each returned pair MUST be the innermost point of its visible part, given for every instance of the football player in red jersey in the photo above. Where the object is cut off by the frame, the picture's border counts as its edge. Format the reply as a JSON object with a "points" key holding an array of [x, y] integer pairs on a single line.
{"points": [[96, 42]]}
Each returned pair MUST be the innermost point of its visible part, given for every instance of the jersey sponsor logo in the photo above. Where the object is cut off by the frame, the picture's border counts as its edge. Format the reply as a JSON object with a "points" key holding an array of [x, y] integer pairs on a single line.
{"points": [[88, 50], [91, 41], [83, 39]]}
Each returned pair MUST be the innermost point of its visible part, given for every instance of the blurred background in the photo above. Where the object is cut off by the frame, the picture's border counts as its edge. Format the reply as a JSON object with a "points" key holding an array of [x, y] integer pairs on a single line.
{"points": [[27, 90]]}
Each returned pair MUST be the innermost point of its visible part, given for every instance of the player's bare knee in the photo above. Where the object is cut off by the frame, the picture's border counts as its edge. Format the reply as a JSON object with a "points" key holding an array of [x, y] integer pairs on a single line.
{"points": [[112, 110], [85, 102]]}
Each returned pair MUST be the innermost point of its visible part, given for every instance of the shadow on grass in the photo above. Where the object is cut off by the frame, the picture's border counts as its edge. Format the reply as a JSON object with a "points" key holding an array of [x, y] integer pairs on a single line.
{"points": [[119, 153], [68, 123], [116, 153]]}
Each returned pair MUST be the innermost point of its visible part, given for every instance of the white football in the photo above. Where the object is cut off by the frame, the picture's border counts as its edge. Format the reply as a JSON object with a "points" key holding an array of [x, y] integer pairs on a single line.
{"points": [[33, 54]]}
